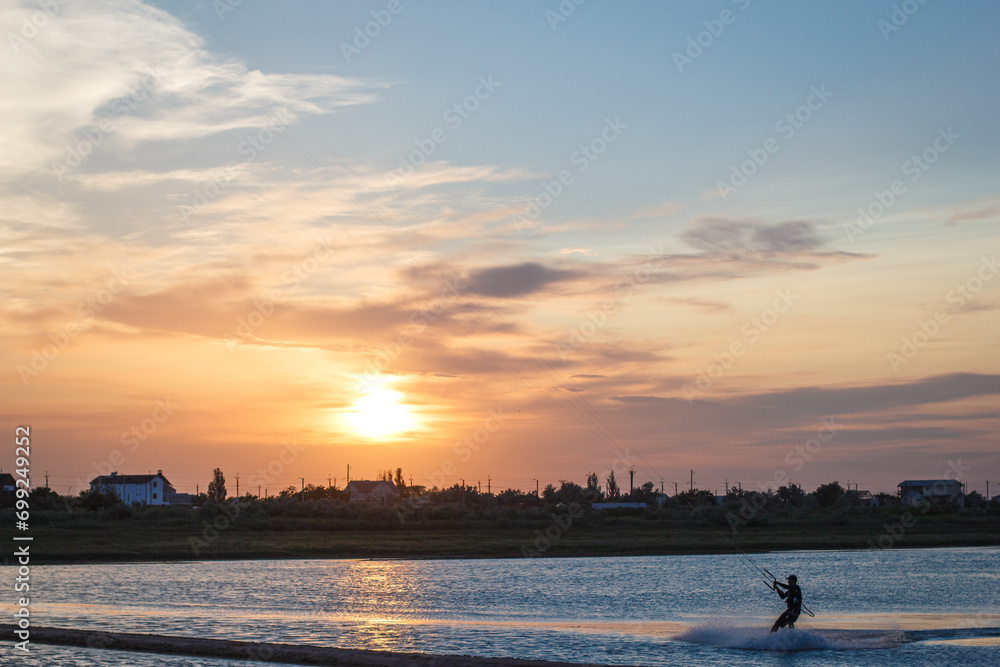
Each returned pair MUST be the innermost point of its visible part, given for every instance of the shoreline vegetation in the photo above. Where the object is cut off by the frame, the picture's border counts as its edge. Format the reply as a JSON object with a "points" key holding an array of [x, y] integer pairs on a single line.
{"points": [[93, 528], [133, 543]]}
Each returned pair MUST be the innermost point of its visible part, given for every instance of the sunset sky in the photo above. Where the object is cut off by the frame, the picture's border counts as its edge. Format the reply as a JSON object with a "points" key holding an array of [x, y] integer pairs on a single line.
{"points": [[493, 240]]}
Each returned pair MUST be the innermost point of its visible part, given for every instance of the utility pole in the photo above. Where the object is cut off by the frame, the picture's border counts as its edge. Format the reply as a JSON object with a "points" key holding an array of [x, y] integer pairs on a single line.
{"points": [[692, 480], [631, 478], [536, 488], [258, 492], [488, 485], [329, 486], [675, 488], [348, 473], [727, 486], [480, 485], [661, 486], [987, 490], [303, 488], [47, 483], [237, 485]]}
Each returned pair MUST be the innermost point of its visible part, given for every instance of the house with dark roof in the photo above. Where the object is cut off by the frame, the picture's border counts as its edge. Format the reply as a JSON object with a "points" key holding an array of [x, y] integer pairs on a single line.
{"points": [[372, 491], [142, 489], [866, 499]]}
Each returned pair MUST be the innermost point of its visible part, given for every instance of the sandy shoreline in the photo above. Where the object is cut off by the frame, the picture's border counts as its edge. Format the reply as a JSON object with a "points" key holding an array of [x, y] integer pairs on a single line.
{"points": [[263, 652]]}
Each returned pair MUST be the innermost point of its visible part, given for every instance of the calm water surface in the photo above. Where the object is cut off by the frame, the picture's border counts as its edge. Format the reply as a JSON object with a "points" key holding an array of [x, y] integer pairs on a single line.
{"points": [[894, 608]]}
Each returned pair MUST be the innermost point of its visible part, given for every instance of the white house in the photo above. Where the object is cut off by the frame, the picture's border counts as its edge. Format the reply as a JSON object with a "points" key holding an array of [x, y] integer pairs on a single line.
{"points": [[368, 491], [142, 489], [913, 490]]}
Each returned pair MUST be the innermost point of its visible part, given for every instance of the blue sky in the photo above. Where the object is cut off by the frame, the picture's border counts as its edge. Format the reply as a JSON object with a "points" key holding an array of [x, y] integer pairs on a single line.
{"points": [[284, 281], [616, 60]]}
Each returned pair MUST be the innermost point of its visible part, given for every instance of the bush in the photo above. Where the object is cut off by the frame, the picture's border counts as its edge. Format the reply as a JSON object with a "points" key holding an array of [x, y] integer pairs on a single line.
{"points": [[118, 512]]}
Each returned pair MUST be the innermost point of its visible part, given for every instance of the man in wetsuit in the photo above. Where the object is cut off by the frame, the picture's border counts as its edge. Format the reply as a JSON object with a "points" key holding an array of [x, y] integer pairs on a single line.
{"points": [[793, 594]]}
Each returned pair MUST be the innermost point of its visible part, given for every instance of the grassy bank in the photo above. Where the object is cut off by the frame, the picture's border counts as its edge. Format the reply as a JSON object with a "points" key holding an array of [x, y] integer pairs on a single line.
{"points": [[196, 536]]}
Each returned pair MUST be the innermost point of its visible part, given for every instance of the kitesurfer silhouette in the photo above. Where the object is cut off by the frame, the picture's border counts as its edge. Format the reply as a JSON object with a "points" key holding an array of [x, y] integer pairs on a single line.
{"points": [[793, 595]]}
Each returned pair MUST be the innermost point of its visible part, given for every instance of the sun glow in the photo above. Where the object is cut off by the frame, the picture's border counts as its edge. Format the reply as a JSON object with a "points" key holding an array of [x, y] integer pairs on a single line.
{"points": [[380, 414]]}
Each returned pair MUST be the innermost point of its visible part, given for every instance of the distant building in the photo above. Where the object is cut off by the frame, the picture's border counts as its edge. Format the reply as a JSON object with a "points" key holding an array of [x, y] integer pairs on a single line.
{"points": [[8, 489], [142, 489], [619, 506], [369, 491], [179, 498], [865, 498], [912, 491]]}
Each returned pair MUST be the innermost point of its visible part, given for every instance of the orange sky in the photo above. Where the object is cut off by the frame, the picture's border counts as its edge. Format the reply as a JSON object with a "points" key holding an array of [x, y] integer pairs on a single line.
{"points": [[206, 265]]}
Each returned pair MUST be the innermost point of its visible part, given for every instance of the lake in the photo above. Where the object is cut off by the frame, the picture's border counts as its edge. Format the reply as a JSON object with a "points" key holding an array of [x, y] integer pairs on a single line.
{"points": [[885, 608]]}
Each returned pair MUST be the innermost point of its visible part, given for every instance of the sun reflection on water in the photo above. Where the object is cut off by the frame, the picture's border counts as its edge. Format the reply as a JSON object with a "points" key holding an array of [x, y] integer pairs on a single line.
{"points": [[557, 609]]}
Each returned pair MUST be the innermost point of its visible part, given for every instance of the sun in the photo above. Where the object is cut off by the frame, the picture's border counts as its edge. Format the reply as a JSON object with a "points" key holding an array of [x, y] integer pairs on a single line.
{"points": [[380, 414]]}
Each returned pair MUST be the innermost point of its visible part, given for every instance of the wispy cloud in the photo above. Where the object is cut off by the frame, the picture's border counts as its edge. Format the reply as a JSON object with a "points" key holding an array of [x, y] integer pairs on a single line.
{"points": [[124, 73], [721, 236]]}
